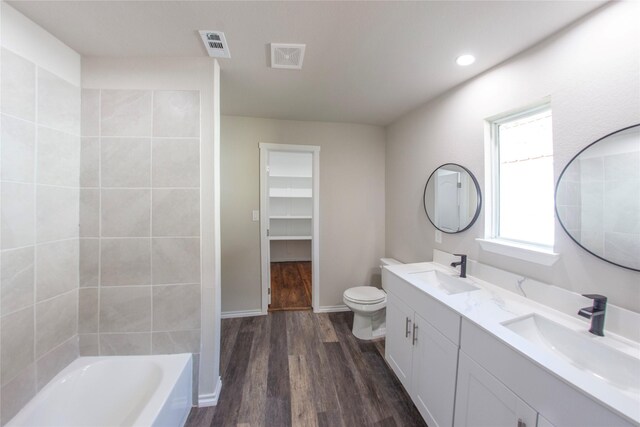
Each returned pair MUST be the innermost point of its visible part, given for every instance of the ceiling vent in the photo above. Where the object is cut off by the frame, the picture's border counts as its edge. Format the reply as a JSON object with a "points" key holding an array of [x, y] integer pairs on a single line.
{"points": [[216, 44], [287, 55]]}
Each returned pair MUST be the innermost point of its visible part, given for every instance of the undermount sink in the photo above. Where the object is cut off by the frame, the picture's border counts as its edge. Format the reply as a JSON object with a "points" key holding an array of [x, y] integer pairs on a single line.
{"points": [[582, 351], [445, 282]]}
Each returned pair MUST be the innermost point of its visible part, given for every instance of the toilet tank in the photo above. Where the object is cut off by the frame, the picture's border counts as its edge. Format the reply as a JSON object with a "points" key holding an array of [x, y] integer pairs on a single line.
{"points": [[389, 261], [386, 261]]}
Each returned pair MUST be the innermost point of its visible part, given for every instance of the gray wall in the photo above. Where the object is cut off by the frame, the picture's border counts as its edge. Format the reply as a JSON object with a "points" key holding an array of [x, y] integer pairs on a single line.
{"points": [[140, 222], [40, 149], [352, 198], [591, 74]]}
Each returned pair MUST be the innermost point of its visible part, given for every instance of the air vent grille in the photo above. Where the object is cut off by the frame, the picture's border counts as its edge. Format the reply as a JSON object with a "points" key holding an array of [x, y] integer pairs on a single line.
{"points": [[287, 55], [215, 43]]}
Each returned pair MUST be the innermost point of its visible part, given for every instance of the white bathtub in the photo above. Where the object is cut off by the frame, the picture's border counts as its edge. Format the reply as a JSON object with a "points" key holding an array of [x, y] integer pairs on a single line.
{"points": [[114, 391]]}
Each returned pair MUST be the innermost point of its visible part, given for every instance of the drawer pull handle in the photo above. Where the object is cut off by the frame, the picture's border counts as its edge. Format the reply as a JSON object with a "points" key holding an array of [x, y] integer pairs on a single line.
{"points": [[415, 335], [406, 327]]}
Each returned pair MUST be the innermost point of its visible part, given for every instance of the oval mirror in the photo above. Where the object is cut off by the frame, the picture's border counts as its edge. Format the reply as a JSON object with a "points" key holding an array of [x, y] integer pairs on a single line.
{"points": [[452, 198], [598, 198]]}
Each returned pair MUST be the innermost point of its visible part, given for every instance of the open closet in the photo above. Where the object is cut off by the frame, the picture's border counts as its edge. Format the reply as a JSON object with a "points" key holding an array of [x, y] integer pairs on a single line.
{"points": [[289, 224]]}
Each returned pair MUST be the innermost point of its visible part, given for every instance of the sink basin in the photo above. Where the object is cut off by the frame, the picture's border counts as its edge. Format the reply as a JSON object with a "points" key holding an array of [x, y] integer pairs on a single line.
{"points": [[581, 350], [445, 282]]}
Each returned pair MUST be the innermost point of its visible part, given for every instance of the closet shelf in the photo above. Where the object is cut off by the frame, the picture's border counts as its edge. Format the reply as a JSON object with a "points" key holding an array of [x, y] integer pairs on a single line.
{"points": [[289, 237], [289, 176], [290, 217], [290, 193]]}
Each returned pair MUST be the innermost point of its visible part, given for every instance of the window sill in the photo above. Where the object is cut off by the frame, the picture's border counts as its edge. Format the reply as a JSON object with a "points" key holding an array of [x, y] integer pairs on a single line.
{"points": [[530, 253]]}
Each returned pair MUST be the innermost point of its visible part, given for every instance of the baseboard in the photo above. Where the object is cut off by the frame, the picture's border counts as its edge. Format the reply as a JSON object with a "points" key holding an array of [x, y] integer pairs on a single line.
{"points": [[240, 313], [210, 399], [331, 308]]}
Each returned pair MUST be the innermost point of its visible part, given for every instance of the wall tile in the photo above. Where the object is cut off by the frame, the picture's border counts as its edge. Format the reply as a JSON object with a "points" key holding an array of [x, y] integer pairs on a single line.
{"points": [[58, 103], [176, 113], [125, 344], [89, 162], [88, 344], [176, 162], [18, 149], [89, 262], [16, 334], [56, 360], [89, 212], [88, 310], [176, 213], [56, 268], [126, 213], [176, 342], [17, 275], [56, 322], [125, 262], [58, 158], [125, 113], [176, 307], [625, 211], [125, 309], [622, 248], [17, 215], [176, 260], [18, 86], [18, 392], [57, 213], [125, 162], [90, 112]]}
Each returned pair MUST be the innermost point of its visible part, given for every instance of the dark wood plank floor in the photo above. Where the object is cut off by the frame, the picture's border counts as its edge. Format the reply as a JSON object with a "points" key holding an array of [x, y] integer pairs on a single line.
{"points": [[290, 286], [298, 368]]}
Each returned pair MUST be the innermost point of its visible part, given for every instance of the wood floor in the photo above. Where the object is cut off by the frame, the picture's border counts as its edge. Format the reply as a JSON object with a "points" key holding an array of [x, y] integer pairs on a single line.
{"points": [[298, 368], [290, 286]]}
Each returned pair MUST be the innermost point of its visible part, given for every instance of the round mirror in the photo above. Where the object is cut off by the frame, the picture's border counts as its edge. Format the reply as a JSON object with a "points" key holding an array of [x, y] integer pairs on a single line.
{"points": [[598, 198], [452, 198]]}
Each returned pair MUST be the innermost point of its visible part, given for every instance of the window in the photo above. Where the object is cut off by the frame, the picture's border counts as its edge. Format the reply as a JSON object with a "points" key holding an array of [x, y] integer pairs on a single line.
{"points": [[522, 170]]}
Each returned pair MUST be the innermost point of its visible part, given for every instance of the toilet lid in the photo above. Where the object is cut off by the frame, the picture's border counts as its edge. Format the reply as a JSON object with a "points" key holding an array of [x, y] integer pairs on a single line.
{"points": [[365, 295]]}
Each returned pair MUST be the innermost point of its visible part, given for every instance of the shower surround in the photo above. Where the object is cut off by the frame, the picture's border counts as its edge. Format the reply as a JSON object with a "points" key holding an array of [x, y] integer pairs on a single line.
{"points": [[139, 222]]}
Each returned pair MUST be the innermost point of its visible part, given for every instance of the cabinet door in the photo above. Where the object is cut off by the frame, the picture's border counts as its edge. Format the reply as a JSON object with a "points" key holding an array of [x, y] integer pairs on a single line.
{"points": [[543, 422], [398, 349], [482, 400], [435, 362]]}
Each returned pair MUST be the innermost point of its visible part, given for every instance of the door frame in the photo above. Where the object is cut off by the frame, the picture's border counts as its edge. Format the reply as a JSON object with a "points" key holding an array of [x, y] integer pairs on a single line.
{"points": [[265, 260]]}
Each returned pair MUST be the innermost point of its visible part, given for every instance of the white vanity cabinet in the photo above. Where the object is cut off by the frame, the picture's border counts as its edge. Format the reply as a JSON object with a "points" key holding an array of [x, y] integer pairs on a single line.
{"points": [[482, 400], [423, 358]]}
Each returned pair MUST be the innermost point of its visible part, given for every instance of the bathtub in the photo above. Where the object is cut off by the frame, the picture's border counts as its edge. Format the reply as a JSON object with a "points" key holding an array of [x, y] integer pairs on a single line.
{"points": [[141, 391]]}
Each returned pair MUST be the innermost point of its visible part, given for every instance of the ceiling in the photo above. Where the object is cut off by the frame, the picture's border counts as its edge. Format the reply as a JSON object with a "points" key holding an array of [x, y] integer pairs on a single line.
{"points": [[365, 62]]}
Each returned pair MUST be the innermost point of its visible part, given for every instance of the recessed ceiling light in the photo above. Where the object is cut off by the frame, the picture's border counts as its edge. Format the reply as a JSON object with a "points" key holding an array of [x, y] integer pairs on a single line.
{"points": [[464, 60]]}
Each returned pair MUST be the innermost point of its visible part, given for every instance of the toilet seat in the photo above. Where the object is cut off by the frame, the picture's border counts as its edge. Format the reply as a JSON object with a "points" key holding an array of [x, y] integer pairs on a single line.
{"points": [[365, 295]]}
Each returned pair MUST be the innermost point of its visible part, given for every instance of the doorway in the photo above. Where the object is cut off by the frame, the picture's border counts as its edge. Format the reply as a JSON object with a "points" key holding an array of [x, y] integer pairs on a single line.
{"points": [[289, 225]]}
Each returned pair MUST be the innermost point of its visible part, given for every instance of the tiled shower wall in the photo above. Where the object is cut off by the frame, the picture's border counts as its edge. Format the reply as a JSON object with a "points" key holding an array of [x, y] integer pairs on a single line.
{"points": [[140, 222], [40, 150]]}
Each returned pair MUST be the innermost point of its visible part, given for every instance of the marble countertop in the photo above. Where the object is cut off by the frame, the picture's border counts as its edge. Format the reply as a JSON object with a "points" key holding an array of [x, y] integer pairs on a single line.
{"points": [[492, 305]]}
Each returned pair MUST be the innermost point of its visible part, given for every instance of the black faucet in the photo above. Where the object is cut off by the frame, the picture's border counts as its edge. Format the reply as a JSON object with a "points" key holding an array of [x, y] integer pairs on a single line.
{"points": [[595, 313], [462, 263]]}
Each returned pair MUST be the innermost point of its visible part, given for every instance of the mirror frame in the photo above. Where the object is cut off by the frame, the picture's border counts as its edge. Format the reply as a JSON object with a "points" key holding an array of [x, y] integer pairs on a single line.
{"points": [[478, 193], [555, 196]]}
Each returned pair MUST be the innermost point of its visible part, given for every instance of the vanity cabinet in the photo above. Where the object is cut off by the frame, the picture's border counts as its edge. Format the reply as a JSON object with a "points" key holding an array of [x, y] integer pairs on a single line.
{"points": [[482, 400], [423, 358]]}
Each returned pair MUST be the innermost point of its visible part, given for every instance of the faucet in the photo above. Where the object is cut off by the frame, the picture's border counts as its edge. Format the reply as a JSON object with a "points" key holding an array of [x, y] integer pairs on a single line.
{"points": [[462, 263], [595, 313]]}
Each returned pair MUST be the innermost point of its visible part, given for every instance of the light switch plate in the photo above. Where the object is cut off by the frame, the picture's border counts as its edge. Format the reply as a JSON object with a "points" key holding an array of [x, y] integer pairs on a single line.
{"points": [[438, 236], [256, 215]]}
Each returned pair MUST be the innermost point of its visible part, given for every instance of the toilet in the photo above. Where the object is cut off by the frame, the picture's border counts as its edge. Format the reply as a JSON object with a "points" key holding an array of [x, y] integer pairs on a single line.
{"points": [[368, 305]]}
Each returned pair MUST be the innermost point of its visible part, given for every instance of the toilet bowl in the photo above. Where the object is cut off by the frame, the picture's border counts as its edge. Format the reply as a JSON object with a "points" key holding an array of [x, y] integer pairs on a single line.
{"points": [[368, 304]]}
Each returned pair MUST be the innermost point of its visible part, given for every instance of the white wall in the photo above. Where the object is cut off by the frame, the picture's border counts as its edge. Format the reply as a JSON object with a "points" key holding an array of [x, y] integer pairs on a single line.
{"points": [[200, 74], [352, 169], [591, 73]]}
